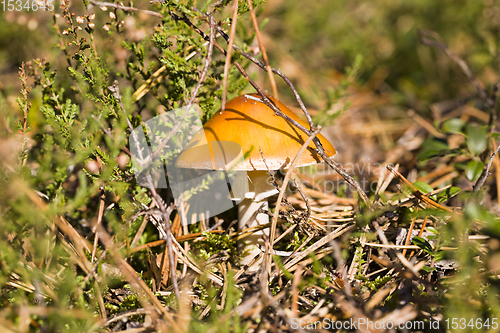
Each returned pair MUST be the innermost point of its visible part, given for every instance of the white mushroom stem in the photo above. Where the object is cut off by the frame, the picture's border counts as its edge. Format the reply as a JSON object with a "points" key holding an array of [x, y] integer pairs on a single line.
{"points": [[260, 189]]}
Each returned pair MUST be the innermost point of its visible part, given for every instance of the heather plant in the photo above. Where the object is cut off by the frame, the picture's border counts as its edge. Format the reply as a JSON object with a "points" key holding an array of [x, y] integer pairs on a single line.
{"points": [[73, 172]]}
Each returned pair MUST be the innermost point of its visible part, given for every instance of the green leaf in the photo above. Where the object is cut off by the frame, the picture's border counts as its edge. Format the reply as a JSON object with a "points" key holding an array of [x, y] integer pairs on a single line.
{"points": [[447, 194], [454, 125], [432, 229], [474, 170], [428, 269], [439, 256], [477, 139], [423, 187], [433, 148], [423, 244]]}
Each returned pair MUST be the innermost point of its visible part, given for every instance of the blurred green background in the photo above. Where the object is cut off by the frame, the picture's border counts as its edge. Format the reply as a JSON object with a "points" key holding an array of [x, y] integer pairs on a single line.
{"points": [[312, 42], [316, 39]]}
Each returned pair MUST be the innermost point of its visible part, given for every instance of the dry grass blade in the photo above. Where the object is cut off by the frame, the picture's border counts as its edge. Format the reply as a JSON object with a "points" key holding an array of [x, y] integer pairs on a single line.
{"points": [[263, 49], [272, 235], [295, 291], [323, 241], [403, 260], [228, 54], [409, 247], [380, 295], [416, 192], [424, 224], [184, 257], [383, 181], [99, 220], [408, 236], [333, 198], [425, 124], [148, 300]]}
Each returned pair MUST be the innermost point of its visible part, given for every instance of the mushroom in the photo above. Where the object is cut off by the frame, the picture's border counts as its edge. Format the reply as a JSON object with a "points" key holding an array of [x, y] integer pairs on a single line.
{"points": [[255, 128]]}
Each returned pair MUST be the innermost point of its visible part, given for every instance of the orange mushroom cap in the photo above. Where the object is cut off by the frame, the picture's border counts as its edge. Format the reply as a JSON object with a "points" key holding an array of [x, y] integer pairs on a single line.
{"points": [[242, 129]]}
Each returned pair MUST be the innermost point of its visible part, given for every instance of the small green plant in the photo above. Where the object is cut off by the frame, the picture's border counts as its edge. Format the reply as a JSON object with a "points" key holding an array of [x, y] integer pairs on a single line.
{"points": [[214, 243]]}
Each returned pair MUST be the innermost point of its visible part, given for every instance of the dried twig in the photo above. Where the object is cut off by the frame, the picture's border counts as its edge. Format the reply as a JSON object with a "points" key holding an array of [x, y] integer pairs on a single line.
{"points": [[319, 147], [264, 67], [124, 8]]}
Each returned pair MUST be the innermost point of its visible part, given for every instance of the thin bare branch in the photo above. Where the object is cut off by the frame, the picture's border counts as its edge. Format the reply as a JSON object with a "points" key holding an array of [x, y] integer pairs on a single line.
{"points": [[486, 172], [208, 59], [437, 42]]}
